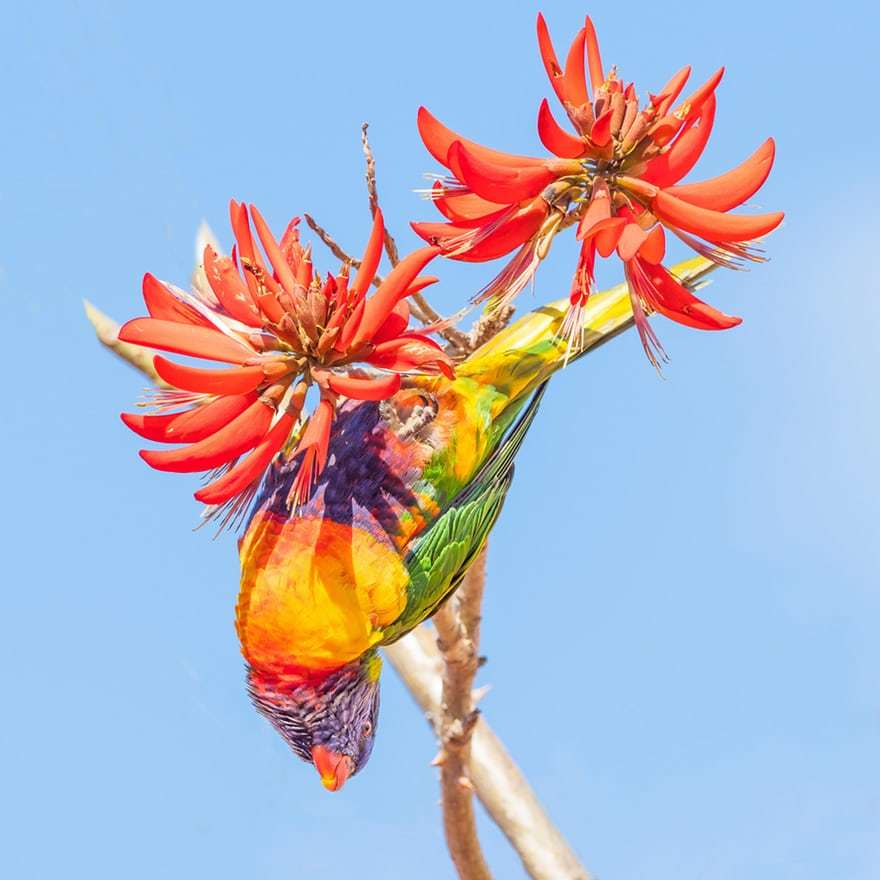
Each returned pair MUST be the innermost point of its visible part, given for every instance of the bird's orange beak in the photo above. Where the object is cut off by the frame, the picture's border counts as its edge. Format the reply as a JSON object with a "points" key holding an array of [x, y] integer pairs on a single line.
{"points": [[334, 769]]}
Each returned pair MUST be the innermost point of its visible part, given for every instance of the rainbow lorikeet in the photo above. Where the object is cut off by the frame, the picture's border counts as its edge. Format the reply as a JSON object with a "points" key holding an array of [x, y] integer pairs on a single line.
{"points": [[411, 488]]}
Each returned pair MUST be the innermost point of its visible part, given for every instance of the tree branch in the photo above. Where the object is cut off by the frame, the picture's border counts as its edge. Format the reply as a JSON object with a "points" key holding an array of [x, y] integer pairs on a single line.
{"points": [[458, 623], [499, 783]]}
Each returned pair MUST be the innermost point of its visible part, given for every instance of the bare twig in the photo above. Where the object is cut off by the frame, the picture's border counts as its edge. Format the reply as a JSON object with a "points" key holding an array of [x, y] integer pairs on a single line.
{"points": [[373, 193], [421, 308], [457, 624]]}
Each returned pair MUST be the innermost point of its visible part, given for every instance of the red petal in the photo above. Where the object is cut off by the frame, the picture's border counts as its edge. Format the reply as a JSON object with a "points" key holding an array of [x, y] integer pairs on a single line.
{"points": [[597, 77], [600, 134], [249, 469], [685, 151], [192, 424], [395, 324], [240, 435], [419, 285], [458, 206], [598, 209], [548, 56], [676, 302], [695, 101], [360, 388], [607, 233], [392, 289], [412, 352], [229, 288], [575, 75], [500, 183], [164, 305], [672, 90], [246, 252], [555, 138], [201, 342], [236, 380], [713, 225], [372, 256], [632, 237], [273, 251], [654, 247], [270, 306], [313, 446], [438, 139], [501, 240], [731, 189]]}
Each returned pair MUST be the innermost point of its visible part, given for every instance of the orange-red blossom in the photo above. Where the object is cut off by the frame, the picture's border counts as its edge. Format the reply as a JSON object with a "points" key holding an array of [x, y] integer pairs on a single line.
{"points": [[616, 178], [284, 328]]}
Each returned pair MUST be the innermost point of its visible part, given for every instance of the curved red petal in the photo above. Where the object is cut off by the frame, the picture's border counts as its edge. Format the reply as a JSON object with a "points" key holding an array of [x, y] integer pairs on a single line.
{"points": [[713, 225], [229, 288], [600, 133], [395, 324], [200, 342], [412, 352], [372, 256], [190, 425], [500, 183], [240, 435], [392, 289], [273, 251], [694, 102], [458, 206], [672, 90], [548, 56], [607, 234], [653, 249], [555, 138], [731, 189], [360, 388], [575, 75], [250, 469], [677, 303], [438, 139], [235, 380], [684, 152], [632, 237], [163, 304], [594, 59]]}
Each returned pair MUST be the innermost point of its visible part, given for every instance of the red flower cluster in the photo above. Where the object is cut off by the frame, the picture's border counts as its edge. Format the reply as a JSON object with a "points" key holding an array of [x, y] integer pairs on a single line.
{"points": [[616, 178], [284, 328]]}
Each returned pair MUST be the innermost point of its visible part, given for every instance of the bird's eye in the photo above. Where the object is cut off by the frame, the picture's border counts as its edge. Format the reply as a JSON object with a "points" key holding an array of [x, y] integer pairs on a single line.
{"points": [[368, 728]]}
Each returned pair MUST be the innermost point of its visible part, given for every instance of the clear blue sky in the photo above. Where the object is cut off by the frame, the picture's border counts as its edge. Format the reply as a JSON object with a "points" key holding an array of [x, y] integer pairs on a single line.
{"points": [[682, 610]]}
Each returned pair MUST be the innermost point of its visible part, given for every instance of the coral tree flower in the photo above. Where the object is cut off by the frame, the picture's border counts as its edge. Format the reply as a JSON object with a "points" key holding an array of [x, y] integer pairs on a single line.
{"points": [[281, 328], [615, 176]]}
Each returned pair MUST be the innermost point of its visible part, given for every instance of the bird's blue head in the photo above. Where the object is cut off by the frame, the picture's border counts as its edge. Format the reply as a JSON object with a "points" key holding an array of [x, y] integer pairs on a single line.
{"points": [[329, 721]]}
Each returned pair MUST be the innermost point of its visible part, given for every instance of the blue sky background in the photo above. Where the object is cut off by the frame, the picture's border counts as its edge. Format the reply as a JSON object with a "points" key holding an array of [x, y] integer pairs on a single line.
{"points": [[682, 609]]}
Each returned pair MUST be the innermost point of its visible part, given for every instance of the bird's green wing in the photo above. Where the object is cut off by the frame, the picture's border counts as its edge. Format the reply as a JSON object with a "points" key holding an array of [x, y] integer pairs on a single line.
{"points": [[439, 558]]}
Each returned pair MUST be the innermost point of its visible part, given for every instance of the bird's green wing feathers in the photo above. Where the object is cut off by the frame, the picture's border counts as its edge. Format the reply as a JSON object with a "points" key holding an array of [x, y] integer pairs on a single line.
{"points": [[439, 558]]}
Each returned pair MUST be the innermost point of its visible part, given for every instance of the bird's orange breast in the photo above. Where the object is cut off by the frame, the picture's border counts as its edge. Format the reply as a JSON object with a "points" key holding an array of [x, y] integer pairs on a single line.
{"points": [[314, 593]]}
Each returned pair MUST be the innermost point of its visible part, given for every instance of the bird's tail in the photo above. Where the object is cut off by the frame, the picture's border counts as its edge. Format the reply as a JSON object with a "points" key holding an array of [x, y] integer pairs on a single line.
{"points": [[524, 355]]}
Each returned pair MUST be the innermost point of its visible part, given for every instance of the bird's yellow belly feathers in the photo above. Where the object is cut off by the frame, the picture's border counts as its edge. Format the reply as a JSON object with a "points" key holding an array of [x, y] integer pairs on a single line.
{"points": [[314, 593]]}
